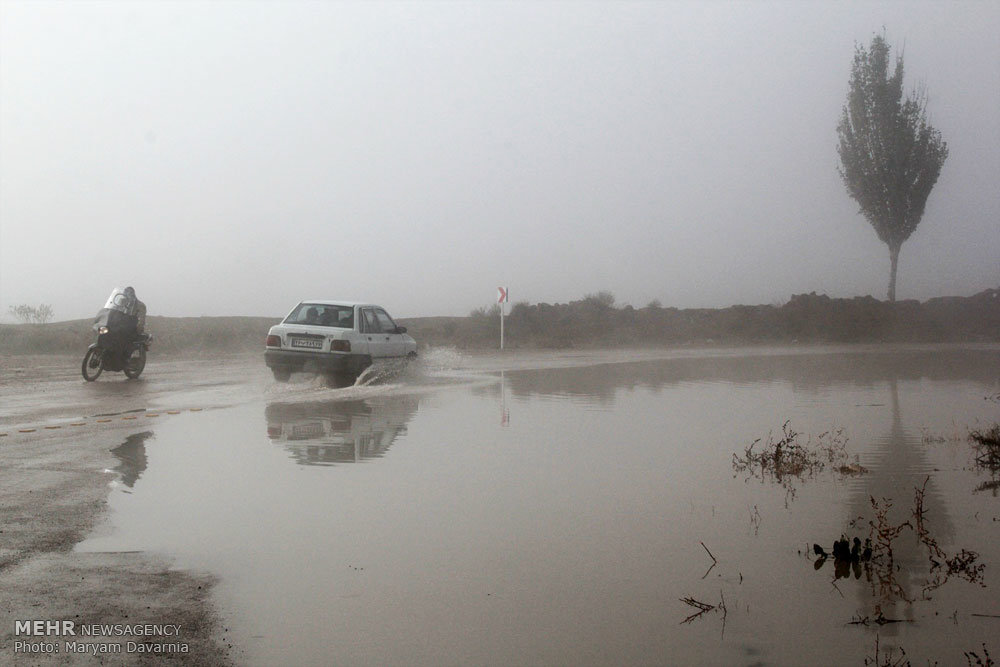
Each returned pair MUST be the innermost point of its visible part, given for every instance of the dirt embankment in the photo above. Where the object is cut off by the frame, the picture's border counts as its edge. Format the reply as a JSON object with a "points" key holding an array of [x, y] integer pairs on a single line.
{"points": [[197, 336], [590, 322]]}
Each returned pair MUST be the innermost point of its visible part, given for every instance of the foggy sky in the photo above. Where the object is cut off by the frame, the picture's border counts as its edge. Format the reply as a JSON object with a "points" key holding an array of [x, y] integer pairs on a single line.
{"points": [[235, 158]]}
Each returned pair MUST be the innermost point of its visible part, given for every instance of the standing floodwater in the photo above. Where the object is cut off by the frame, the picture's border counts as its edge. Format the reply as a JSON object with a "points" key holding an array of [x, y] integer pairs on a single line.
{"points": [[561, 515]]}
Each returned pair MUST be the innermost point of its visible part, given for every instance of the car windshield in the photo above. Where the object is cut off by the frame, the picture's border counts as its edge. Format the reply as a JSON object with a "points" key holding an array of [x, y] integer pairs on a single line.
{"points": [[322, 315]]}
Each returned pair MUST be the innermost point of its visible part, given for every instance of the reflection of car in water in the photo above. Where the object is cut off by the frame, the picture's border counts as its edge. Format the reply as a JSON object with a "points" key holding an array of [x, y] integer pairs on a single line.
{"points": [[329, 432]]}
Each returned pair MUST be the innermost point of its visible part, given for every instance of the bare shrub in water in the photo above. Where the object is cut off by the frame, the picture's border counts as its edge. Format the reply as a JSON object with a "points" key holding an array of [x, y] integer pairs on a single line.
{"points": [[965, 564], [788, 457], [987, 446], [884, 533]]}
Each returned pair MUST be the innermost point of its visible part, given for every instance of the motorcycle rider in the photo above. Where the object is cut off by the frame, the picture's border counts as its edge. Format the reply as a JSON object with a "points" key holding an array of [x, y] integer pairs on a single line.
{"points": [[138, 309], [127, 320]]}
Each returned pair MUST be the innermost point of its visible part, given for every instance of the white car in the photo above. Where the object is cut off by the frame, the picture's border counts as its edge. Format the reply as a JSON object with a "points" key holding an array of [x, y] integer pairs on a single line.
{"points": [[338, 339]]}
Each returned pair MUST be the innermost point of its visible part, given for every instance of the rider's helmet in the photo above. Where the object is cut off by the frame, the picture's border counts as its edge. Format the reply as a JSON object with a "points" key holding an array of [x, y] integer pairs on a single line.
{"points": [[130, 292]]}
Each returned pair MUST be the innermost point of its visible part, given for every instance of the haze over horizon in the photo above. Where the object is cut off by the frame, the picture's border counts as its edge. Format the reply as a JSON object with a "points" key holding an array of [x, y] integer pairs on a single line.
{"points": [[233, 158]]}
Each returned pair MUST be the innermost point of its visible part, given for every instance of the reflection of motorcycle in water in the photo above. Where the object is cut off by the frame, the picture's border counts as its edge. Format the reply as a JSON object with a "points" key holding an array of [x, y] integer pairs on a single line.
{"points": [[132, 457], [119, 346], [330, 432]]}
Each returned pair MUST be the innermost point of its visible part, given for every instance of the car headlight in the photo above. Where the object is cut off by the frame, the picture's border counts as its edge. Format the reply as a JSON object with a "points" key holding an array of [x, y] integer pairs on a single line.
{"points": [[102, 330]]}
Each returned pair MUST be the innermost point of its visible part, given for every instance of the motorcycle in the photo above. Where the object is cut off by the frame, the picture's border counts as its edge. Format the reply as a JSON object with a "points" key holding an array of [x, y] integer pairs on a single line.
{"points": [[118, 346]]}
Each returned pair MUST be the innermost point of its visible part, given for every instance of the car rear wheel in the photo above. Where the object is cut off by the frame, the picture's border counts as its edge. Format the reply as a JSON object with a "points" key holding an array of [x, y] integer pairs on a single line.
{"points": [[281, 374]]}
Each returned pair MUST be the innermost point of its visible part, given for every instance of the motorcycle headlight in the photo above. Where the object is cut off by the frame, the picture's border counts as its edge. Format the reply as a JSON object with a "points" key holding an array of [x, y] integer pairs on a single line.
{"points": [[102, 330]]}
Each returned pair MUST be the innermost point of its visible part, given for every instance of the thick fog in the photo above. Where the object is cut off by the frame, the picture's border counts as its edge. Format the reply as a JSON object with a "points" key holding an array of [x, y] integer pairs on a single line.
{"points": [[233, 158]]}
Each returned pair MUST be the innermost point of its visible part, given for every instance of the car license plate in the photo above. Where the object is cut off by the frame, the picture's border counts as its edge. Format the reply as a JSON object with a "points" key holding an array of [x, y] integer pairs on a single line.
{"points": [[307, 431], [312, 343]]}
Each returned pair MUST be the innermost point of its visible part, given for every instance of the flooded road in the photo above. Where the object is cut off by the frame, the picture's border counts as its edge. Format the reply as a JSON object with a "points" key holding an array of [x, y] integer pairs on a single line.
{"points": [[561, 513]]}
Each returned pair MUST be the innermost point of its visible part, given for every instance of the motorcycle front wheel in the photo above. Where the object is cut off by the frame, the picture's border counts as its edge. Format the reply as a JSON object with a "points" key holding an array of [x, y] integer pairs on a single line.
{"points": [[92, 364], [135, 362]]}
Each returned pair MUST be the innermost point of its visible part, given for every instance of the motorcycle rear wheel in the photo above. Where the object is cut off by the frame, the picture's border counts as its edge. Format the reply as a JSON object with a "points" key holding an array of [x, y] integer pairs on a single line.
{"points": [[93, 364], [136, 361]]}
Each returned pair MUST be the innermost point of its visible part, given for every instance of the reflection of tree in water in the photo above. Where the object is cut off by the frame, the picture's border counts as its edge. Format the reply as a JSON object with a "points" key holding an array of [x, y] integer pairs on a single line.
{"points": [[331, 432], [808, 371], [132, 457], [898, 467]]}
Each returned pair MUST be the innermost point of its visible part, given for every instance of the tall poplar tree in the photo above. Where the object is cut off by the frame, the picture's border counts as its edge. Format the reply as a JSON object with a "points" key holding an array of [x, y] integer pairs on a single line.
{"points": [[890, 155]]}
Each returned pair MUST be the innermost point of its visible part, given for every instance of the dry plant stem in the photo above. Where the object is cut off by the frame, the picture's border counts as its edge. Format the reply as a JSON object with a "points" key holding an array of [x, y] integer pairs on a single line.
{"points": [[985, 661], [887, 660], [704, 606], [919, 512], [701, 606], [878, 620]]}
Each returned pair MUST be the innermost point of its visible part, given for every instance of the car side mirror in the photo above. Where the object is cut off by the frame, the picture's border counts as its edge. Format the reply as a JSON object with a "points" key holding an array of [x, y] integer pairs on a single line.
{"points": [[400, 330]]}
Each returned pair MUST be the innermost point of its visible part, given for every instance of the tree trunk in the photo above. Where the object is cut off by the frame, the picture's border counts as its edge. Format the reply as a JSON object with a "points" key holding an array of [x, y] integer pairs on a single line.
{"points": [[894, 262]]}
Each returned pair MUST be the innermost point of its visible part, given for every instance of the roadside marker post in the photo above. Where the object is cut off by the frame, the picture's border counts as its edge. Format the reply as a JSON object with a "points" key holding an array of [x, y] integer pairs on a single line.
{"points": [[502, 298]]}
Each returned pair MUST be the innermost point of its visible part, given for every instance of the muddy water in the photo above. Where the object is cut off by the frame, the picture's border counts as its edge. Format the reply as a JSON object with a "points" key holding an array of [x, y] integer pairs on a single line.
{"points": [[560, 515]]}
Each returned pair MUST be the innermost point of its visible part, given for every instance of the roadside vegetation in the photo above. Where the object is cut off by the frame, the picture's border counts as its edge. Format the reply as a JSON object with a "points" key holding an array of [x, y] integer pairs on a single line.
{"points": [[596, 321]]}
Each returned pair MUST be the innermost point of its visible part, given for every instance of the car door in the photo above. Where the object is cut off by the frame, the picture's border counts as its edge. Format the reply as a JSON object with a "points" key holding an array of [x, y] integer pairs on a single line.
{"points": [[379, 344], [394, 340]]}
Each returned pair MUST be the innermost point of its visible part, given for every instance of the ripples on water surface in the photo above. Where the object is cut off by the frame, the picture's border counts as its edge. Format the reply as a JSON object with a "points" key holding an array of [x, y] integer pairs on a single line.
{"points": [[559, 515]]}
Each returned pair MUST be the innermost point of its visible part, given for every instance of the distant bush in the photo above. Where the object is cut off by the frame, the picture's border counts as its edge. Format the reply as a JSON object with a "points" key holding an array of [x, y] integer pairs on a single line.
{"points": [[602, 298], [31, 315], [485, 312]]}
